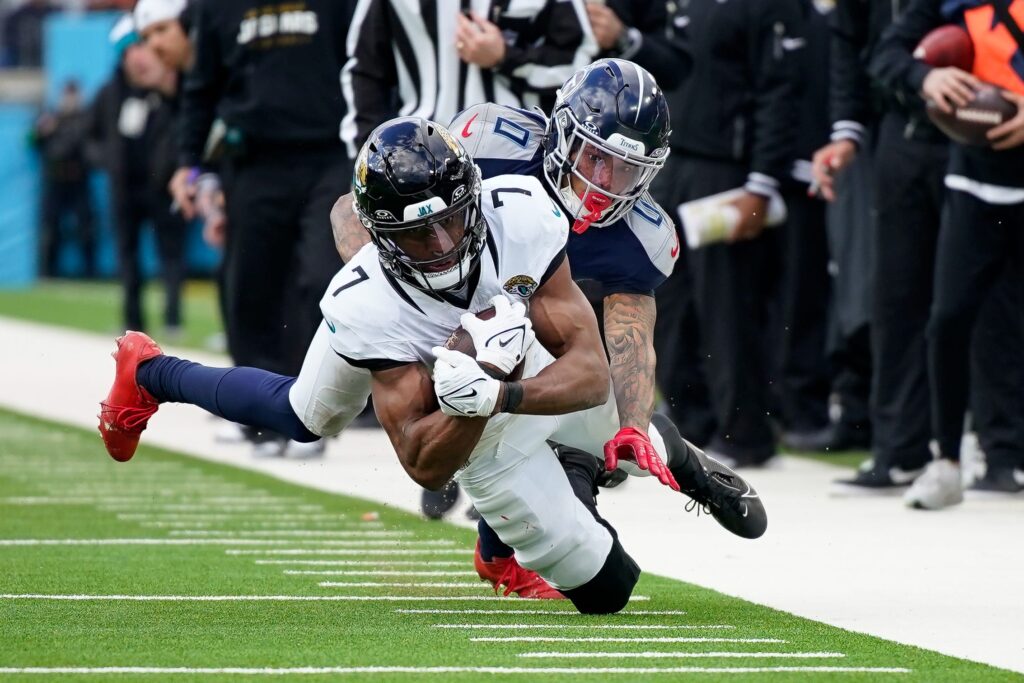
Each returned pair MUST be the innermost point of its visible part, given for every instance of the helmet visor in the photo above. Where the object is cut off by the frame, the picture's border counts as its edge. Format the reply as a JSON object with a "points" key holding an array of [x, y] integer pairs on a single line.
{"points": [[433, 246], [598, 170]]}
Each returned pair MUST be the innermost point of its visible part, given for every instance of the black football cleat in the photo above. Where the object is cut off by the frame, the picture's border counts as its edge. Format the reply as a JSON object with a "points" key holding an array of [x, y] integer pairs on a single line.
{"points": [[713, 487], [436, 504]]}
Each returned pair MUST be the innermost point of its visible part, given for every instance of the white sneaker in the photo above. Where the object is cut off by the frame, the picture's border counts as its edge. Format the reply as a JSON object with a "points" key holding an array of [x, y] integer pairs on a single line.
{"points": [[939, 487]]}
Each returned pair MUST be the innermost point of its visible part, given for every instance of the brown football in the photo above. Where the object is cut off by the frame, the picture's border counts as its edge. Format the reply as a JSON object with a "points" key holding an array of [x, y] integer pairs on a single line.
{"points": [[947, 46], [969, 124], [461, 340]]}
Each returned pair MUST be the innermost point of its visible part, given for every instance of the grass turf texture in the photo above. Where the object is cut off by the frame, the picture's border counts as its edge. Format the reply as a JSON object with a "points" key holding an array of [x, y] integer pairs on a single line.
{"points": [[96, 307], [41, 461]]}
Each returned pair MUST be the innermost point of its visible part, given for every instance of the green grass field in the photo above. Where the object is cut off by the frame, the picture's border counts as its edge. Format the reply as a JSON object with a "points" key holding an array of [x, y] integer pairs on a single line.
{"points": [[80, 590]]}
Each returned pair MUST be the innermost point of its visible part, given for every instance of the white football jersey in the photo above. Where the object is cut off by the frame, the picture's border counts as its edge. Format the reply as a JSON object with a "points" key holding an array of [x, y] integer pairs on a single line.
{"points": [[376, 320]]}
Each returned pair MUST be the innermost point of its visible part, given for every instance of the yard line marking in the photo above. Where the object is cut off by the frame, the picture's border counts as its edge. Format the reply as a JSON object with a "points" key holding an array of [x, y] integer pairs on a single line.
{"points": [[267, 598], [369, 563], [375, 572], [369, 533], [400, 584], [132, 501], [352, 551], [320, 670], [558, 612], [602, 639], [682, 655], [220, 541], [650, 627]]}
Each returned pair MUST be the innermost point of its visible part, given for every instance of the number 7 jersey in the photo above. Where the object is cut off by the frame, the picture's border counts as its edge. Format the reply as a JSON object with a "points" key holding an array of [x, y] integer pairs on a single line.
{"points": [[377, 321]]}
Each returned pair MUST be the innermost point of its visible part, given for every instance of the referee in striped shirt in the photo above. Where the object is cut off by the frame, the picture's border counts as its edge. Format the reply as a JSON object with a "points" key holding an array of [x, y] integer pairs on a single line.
{"points": [[434, 58]]}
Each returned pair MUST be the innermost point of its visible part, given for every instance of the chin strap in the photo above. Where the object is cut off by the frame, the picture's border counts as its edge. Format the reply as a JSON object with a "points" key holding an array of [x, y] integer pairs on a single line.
{"points": [[594, 204]]}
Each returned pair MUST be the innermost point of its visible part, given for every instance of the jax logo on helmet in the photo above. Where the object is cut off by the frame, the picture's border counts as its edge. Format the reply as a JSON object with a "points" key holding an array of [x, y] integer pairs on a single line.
{"points": [[422, 209]]}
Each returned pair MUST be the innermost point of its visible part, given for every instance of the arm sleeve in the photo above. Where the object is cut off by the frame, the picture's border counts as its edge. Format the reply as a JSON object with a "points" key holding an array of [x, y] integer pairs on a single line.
{"points": [[893, 64], [850, 85], [657, 47], [201, 89], [370, 76], [777, 33], [560, 43]]}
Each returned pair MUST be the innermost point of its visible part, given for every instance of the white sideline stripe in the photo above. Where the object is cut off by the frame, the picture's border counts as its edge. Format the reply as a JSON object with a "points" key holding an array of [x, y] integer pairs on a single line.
{"points": [[344, 533], [272, 598], [350, 551], [375, 572], [221, 541], [136, 501], [282, 526], [370, 563], [320, 670], [218, 515], [400, 584], [557, 612], [602, 639], [639, 627], [682, 655], [185, 507]]}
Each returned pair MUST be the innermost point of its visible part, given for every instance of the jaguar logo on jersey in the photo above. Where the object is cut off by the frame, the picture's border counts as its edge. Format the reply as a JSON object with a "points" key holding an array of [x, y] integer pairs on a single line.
{"points": [[287, 26], [522, 286]]}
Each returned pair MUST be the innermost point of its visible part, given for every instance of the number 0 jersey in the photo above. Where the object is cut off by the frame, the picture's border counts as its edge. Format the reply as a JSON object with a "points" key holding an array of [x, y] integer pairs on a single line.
{"points": [[631, 256]]}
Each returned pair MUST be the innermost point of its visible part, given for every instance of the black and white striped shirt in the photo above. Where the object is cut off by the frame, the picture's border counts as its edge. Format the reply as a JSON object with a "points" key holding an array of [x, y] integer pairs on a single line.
{"points": [[403, 61]]}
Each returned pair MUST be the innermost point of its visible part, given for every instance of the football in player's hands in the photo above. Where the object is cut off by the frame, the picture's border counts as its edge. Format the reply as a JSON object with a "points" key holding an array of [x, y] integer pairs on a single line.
{"points": [[969, 124], [497, 337]]}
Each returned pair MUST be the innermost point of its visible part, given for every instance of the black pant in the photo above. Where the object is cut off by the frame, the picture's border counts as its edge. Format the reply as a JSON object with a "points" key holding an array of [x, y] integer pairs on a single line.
{"points": [[978, 244], [803, 379], [133, 207], [679, 372], [908, 196], [280, 254], [61, 199], [733, 285]]}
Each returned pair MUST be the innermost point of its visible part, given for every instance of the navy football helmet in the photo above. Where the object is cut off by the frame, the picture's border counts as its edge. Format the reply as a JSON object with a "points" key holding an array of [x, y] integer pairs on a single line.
{"points": [[606, 140], [417, 192]]}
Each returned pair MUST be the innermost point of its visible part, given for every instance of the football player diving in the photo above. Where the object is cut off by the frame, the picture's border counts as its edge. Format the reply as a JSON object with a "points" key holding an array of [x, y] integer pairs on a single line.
{"points": [[444, 244]]}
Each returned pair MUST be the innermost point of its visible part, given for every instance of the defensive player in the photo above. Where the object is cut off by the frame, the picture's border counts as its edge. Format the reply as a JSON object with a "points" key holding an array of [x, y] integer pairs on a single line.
{"points": [[443, 244]]}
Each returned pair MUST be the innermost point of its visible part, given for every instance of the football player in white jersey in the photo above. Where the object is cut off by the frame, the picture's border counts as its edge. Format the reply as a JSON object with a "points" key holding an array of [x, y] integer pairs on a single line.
{"points": [[444, 246]]}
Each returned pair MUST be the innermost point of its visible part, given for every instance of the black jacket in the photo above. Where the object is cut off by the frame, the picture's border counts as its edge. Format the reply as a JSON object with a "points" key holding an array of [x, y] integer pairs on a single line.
{"points": [[140, 160], [894, 66], [652, 40], [740, 102], [273, 75]]}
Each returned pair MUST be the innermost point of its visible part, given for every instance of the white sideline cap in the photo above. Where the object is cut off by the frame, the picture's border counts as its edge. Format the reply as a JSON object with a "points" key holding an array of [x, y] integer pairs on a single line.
{"points": [[149, 12]]}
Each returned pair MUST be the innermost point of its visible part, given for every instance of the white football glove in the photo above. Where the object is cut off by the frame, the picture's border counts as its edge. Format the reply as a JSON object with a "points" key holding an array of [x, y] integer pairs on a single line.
{"points": [[463, 388], [503, 340]]}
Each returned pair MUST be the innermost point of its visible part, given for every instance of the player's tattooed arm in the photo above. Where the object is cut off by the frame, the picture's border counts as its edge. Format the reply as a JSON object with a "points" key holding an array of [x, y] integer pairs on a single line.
{"points": [[349, 234], [629, 338], [430, 445], [564, 323]]}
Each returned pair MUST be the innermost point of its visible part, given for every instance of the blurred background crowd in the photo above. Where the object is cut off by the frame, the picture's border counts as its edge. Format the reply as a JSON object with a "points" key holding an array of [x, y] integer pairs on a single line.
{"points": [[866, 293]]}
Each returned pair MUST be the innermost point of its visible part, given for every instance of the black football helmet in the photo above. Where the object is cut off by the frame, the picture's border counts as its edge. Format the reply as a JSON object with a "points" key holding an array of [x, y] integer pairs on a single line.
{"points": [[606, 139], [417, 192]]}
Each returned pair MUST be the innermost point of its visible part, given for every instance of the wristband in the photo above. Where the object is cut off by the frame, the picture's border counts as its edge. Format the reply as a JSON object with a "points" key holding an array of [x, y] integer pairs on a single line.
{"points": [[512, 398]]}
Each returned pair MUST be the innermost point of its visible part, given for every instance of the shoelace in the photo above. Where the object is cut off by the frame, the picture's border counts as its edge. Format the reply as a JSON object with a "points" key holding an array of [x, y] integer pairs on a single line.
{"points": [[699, 507], [129, 418]]}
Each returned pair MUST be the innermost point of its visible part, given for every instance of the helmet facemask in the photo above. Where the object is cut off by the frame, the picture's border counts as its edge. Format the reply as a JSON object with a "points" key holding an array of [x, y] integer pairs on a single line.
{"points": [[597, 180], [438, 252]]}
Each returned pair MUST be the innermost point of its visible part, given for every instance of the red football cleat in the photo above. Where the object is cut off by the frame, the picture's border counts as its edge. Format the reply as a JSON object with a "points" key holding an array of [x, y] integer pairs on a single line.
{"points": [[505, 571], [128, 407]]}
